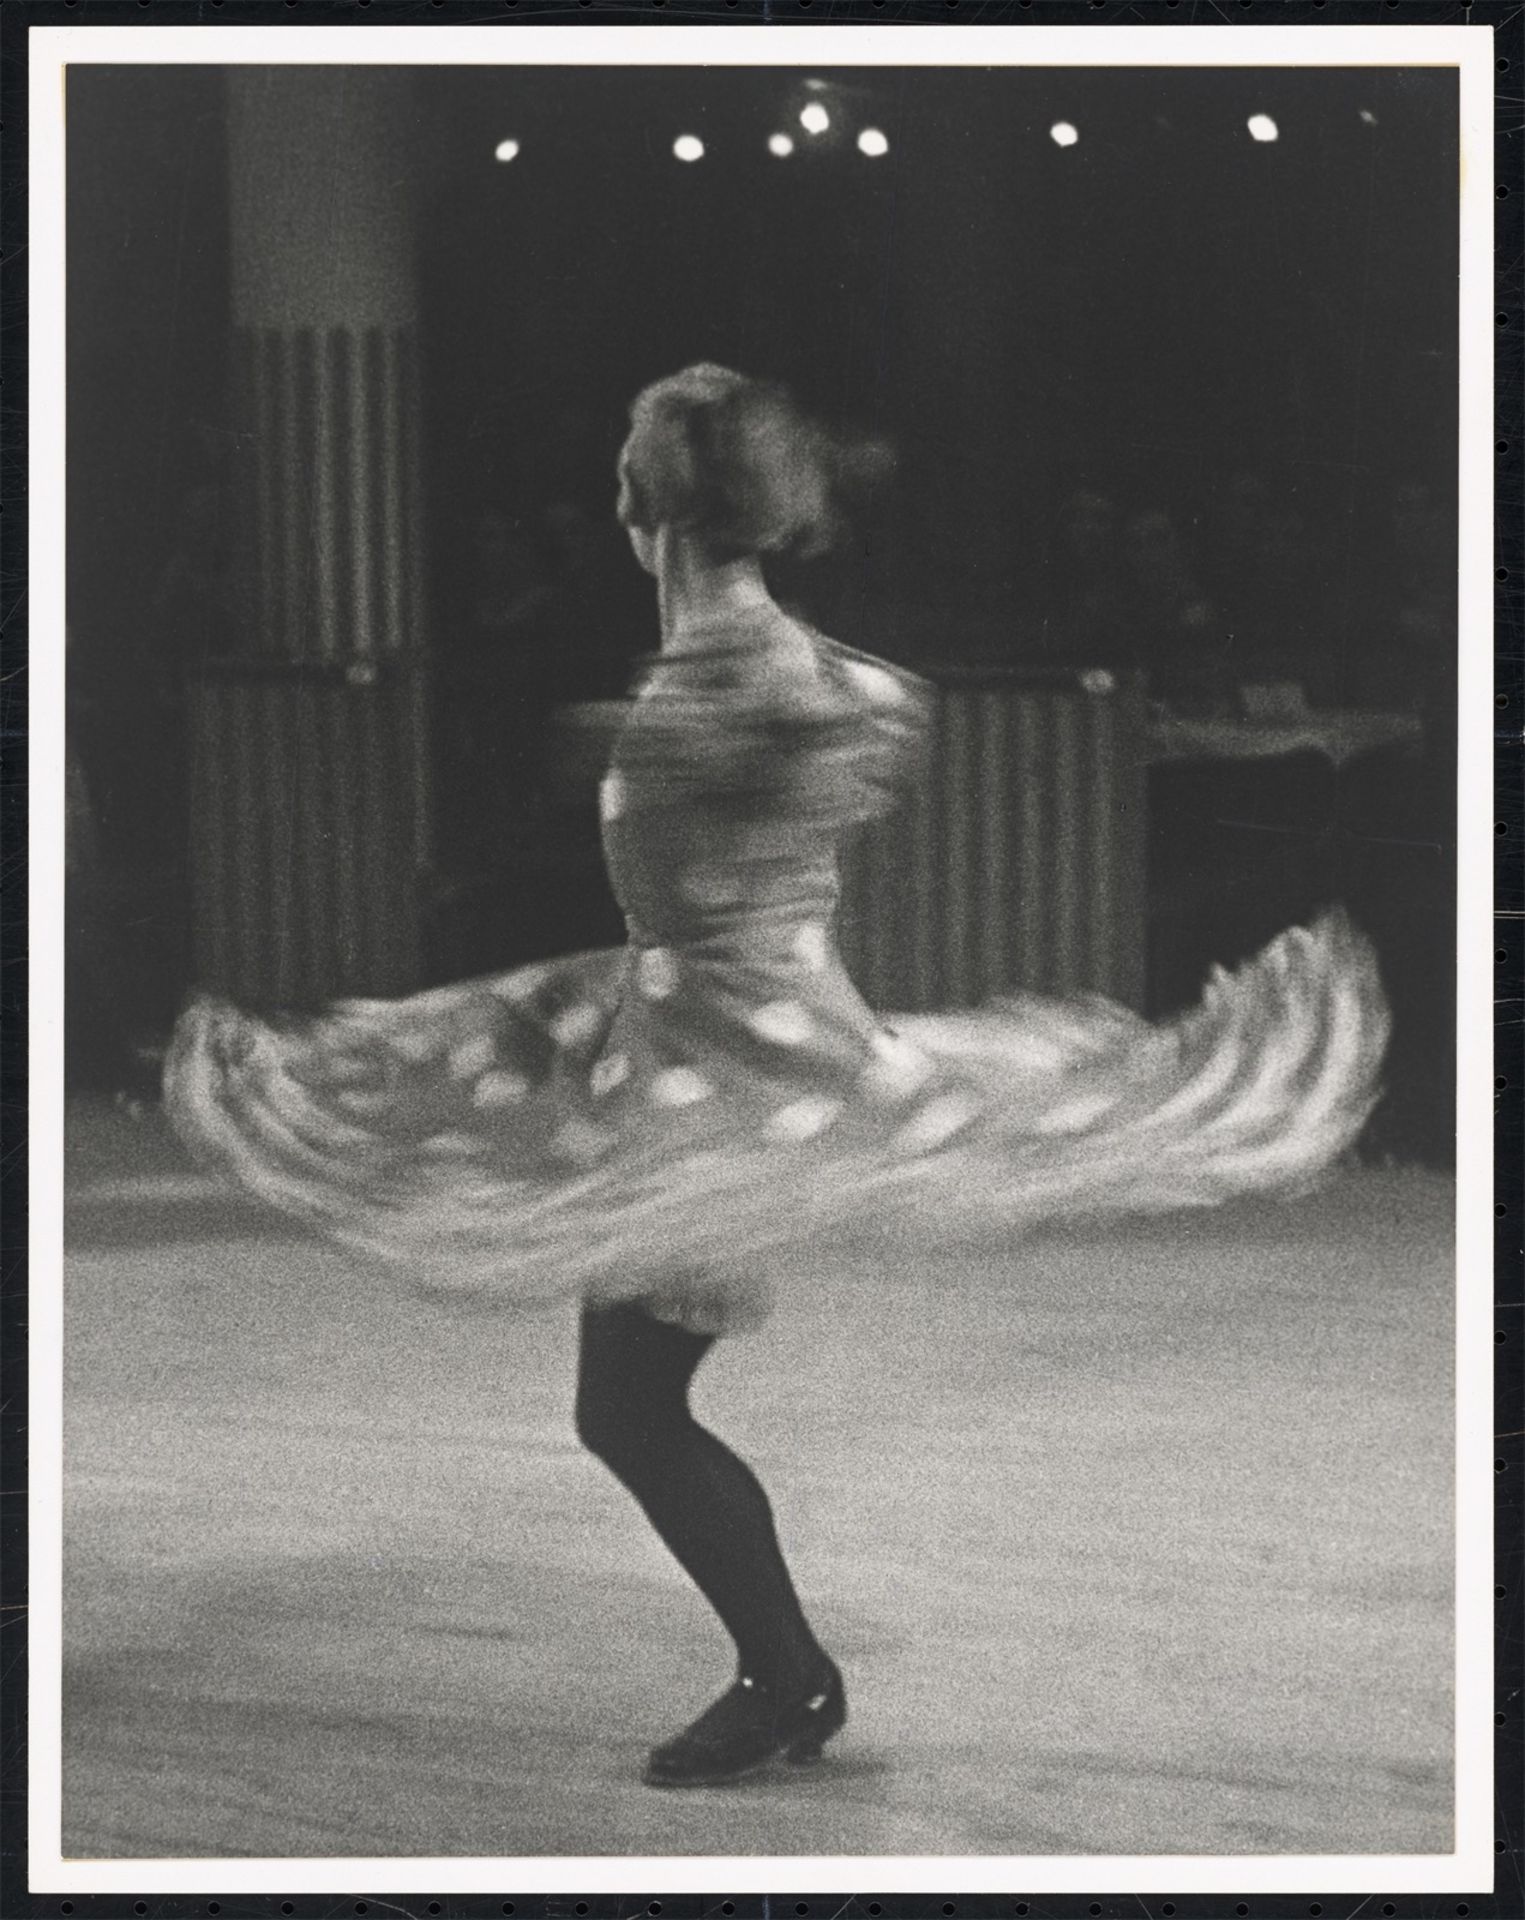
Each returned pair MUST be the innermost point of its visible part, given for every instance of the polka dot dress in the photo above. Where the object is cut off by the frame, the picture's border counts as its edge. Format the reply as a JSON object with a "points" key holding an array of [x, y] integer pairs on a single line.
{"points": [[650, 1122]]}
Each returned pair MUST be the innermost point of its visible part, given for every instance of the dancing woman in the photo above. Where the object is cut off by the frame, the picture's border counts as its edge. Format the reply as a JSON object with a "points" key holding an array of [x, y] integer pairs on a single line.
{"points": [[638, 1129]]}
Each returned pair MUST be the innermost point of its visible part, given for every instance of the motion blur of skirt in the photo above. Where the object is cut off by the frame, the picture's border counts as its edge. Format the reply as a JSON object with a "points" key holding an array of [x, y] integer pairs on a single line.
{"points": [[530, 1136], [648, 1122]]}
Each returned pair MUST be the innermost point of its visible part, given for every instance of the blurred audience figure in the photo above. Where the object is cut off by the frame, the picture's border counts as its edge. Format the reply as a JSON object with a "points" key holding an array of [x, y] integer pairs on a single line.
{"points": [[1093, 600], [548, 601], [601, 622], [510, 580], [1423, 672], [1181, 639], [554, 615], [1263, 575]]}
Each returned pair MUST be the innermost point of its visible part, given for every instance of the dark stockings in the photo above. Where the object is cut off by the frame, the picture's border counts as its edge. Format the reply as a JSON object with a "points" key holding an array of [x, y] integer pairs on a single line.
{"points": [[633, 1412]]}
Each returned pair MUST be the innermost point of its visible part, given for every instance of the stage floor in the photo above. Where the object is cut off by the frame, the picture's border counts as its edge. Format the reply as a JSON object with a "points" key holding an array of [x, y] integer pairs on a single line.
{"points": [[1129, 1541]]}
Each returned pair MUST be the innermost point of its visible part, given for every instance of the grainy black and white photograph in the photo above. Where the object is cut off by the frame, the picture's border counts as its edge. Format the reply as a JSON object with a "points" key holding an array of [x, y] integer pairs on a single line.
{"points": [[760, 1043]]}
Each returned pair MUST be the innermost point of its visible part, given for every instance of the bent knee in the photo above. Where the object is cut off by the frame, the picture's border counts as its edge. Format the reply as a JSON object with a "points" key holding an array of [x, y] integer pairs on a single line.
{"points": [[598, 1420], [632, 1440]]}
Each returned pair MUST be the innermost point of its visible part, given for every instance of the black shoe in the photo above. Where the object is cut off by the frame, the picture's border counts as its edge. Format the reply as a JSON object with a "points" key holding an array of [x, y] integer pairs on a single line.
{"points": [[747, 1728]]}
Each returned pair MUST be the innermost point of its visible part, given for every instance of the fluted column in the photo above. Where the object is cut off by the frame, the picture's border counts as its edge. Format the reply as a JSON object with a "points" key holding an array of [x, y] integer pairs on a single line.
{"points": [[326, 357], [310, 818]]}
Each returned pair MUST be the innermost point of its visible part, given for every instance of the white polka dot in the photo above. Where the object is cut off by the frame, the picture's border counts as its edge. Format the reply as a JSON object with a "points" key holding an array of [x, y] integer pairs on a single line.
{"points": [[365, 1103], [612, 1071], [581, 1141], [500, 1089], [522, 984], [938, 1121], [898, 1067], [679, 1087], [576, 1026], [611, 796], [1075, 1115], [881, 687], [812, 945], [472, 1057], [783, 1021], [803, 1119], [418, 1045], [657, 973]]}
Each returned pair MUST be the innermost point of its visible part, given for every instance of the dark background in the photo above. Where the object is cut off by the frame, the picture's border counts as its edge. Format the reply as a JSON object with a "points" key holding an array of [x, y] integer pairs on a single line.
{"points": [[1161, 310], [1158, 312], [1167, 399]]}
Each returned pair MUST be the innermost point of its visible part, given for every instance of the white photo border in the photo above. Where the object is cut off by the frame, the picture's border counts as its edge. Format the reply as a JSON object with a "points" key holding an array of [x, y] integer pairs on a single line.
{"points": [[1468, 50]]}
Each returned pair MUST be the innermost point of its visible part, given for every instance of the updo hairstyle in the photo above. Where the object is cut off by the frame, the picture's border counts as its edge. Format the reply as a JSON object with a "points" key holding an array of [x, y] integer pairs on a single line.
{"points": [[737, 464]]}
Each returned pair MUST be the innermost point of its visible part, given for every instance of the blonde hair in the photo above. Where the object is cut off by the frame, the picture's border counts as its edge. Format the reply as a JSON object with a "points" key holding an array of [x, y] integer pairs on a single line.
{"points": [[741, 466]]}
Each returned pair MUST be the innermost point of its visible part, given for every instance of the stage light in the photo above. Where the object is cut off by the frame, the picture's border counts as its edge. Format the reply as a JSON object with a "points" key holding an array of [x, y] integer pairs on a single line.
{"points": [[1368, 116], [1063, 134], [780, 145], [686, 147], [814, 118], [1262, 127], [815, 86], [872, 142], [506, 150]]}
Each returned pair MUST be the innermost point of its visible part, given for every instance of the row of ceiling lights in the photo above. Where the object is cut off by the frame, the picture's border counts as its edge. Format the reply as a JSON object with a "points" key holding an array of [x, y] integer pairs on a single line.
{"points": [[814, 118], [1260, 126], [871, 141]]}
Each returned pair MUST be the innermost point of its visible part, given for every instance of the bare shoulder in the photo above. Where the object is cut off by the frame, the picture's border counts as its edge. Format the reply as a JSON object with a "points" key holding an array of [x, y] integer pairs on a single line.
{"points": [[764, 656], [788, 657]]}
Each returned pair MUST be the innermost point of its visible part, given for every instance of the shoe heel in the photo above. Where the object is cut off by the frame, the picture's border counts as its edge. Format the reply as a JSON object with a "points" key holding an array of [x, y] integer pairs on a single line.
{"points": [[804, 1753]]}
